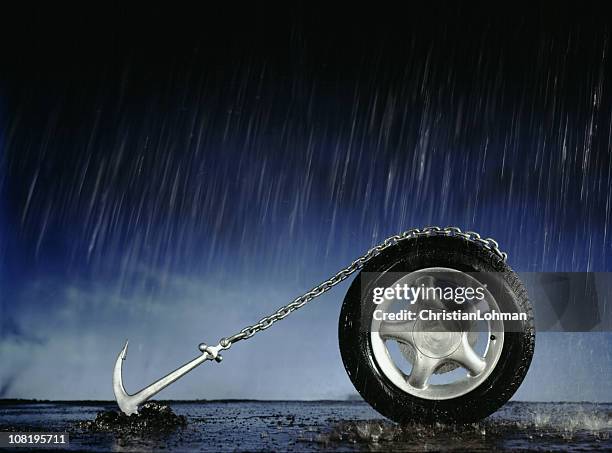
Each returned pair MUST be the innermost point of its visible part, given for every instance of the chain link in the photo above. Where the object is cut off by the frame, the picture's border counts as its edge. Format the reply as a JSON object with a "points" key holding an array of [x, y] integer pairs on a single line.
{"points": [[343, 274]]}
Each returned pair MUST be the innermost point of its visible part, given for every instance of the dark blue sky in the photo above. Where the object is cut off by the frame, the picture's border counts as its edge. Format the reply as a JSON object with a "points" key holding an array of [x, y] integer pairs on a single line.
{"points": [[173, 176]]}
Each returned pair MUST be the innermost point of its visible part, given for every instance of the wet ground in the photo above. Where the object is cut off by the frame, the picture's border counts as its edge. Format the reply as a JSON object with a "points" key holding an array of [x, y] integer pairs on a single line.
{"points": [[321, 425]]}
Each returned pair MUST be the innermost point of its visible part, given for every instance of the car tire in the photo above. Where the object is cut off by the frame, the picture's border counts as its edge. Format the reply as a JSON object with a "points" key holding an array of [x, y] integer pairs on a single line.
{"points": [[376, 388]]}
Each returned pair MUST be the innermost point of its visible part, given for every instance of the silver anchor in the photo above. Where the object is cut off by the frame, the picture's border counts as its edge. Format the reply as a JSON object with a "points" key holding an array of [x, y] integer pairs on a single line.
{"points": [[129, 403]]}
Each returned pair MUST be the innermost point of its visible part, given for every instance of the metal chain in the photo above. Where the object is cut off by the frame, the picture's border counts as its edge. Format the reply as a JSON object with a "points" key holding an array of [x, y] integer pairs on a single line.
{"points": [[299, 302]]}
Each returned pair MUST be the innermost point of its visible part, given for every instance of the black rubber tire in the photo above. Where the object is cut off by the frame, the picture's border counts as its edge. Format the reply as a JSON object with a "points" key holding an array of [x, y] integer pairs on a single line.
{"points": [[399, 406]]}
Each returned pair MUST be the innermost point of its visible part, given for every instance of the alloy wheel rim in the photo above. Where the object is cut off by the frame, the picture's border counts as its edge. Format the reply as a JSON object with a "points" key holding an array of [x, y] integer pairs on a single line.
{"points": [[431, 349]]}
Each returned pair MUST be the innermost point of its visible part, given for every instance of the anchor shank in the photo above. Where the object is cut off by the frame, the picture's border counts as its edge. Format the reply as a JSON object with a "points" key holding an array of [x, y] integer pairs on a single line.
{"points": [[168, 379]]}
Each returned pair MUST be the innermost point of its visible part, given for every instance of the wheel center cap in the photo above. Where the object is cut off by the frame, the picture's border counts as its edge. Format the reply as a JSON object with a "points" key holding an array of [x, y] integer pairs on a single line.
{"points": [[436, 339]]}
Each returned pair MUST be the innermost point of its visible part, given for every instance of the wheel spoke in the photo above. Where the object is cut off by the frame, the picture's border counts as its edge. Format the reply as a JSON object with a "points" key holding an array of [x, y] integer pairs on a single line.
{"points": [[422, 369], [468, 358], [471, 307], [434, 303], [397, 330]]}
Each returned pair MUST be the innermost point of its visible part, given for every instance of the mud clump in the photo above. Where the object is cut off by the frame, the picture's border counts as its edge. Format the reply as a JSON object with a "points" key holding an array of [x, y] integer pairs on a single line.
{"points": [[151, 418]]}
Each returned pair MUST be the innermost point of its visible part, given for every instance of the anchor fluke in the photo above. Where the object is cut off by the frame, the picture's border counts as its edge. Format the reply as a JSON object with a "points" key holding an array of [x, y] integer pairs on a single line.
{"points": [[124, 400]]}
